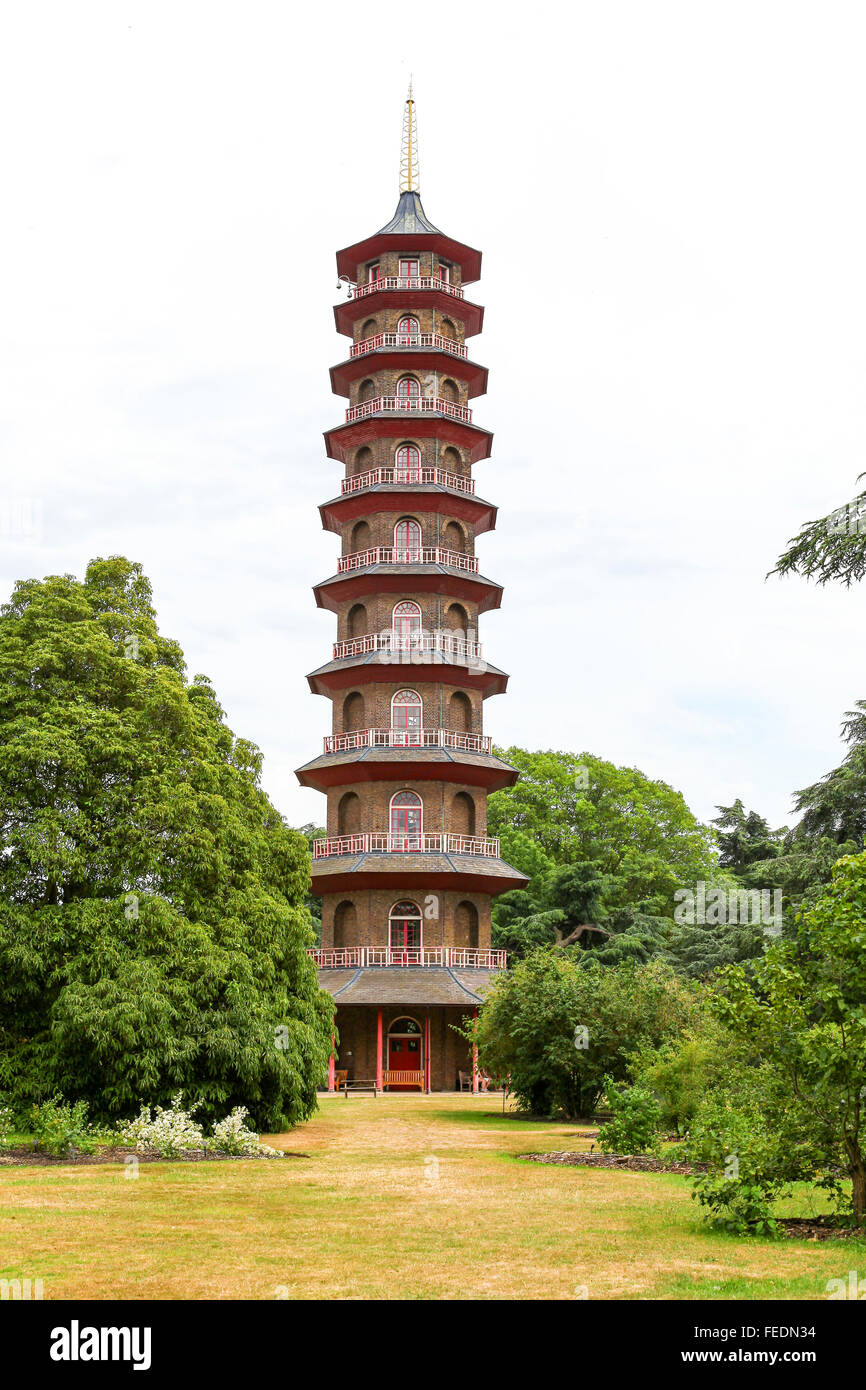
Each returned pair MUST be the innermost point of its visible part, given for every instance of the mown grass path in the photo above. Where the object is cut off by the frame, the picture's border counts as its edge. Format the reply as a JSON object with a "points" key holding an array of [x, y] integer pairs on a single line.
{"points": [[400, 1197]]}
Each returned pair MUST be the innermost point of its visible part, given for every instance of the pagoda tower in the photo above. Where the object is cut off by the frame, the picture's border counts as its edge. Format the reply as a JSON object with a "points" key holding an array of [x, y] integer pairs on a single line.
{"points": [[407, 872]]}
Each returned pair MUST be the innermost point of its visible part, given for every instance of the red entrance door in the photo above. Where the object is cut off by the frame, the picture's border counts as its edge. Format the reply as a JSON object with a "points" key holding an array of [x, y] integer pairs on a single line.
{"points": [[404, 1054]]}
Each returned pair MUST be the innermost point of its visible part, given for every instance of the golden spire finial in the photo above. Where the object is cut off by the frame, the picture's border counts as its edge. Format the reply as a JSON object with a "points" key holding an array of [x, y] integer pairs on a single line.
{"points": [[409, 149]]}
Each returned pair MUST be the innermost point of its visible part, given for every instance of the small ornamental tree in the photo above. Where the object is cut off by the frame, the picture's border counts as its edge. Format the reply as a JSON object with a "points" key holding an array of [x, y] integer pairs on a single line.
{"points": [[560, 1027], [153, 931], [802, 1013]]}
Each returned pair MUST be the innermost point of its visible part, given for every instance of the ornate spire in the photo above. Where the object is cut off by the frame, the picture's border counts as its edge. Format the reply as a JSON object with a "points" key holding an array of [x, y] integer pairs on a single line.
{"points": [[409, 151]]}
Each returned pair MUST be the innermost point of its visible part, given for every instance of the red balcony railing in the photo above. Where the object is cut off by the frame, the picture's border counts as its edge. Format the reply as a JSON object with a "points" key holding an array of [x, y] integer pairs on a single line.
{"points": [[415, 644], [355, 957], [408, 477], [409, 405], [405, 555], [406, 282], [408, 738], [381, 843], [409, 340]]}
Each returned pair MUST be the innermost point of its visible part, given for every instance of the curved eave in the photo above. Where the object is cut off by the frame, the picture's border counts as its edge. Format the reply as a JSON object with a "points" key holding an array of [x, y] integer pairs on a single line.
{"points": [[446, 987], [349, 311], [409, 359], [392, 497], [468, 259], [430, 425], [397, 764], [374, 668], [396, 579], [465, 872]]}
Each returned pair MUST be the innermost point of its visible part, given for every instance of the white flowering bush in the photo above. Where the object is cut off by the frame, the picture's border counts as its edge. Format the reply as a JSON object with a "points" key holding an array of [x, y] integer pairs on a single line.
{"points": [[173, 1132], [231, 1136], [168, 1133], [6, 1124]]}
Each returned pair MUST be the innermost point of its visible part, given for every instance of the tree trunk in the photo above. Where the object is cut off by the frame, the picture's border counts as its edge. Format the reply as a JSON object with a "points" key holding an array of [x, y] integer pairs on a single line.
{"points": [[857, 1169]]}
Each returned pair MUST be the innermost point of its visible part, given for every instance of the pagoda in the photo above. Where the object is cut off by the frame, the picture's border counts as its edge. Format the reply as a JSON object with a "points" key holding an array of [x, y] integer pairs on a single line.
{"points": [[407, 872]]}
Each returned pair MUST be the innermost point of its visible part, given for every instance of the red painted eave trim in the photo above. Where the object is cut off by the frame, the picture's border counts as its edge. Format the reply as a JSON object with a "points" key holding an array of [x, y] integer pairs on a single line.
{"points": [[349, 311], [409, 359], [368, 770], [468, 259], [339, 882], [333, 591], [390, 425], [464, 505], [379, 673]]}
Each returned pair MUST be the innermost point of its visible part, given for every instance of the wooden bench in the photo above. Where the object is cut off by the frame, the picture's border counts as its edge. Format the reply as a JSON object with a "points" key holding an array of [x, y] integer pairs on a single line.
{"points": [[403, 1078], [360, 1084]]}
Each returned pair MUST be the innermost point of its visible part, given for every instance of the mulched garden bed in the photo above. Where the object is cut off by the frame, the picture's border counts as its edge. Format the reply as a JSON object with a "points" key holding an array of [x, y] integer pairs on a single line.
{"points": [[635, 1163], [793, 1227], [28, 1157]]}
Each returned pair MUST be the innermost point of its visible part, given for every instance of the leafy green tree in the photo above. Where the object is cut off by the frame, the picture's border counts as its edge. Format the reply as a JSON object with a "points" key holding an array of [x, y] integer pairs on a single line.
{"points": [[313, 901], [559, 1027], [831, 548], [606, 849], [745, 837], [803, 1016], [153, 932]]}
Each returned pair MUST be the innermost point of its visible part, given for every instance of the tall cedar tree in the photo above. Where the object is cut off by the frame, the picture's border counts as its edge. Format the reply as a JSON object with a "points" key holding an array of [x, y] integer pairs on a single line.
{"points": [[153, 932]]}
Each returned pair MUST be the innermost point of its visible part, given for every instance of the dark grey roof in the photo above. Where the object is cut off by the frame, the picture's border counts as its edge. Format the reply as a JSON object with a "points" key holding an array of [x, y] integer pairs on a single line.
{"points": [[432, 862], [391, 659], [407, 985], [409, 217], [456, 756]]}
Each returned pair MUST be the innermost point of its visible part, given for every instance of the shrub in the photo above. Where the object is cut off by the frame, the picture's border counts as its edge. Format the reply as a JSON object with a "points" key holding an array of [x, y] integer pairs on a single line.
{"points": [[231, 1136], [746, 1172], [60, 1127], [636, 1118], [7, 1125], [165, 1132]]}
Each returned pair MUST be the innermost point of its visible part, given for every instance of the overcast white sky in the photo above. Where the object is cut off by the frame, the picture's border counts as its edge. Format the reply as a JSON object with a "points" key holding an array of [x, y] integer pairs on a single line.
{"points": [[670, 201]]}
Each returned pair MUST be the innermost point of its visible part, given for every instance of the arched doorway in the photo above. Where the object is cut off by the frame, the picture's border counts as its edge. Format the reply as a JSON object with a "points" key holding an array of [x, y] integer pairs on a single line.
{"points": [[406, 821], [405, 1053], [404, 932], [407, 719], [406, 626]]}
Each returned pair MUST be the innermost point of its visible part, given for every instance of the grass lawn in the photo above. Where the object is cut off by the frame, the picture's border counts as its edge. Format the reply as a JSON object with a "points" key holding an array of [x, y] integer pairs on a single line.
{"points": [[401, 1197]]}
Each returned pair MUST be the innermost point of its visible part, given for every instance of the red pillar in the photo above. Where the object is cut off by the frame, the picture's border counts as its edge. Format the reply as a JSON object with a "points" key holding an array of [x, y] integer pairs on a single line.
{"points": [[331, 1077], [427, 1053], [379, 1051], [475, 1060]]}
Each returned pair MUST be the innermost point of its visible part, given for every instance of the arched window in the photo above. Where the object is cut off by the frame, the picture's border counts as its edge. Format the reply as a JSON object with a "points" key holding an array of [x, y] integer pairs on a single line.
{"points": [[407, 541], [404, 933], [406, 624], [407, 331], [448, 391], [407, 464], [406, 821], [408, 389], [406, 719], [367, 390]]}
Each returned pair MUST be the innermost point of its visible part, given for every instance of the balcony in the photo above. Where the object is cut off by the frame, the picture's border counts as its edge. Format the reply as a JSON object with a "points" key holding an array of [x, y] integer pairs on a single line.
{"points": [[382, 843], [408, 738], [403, 555], [409, 340], [409, 405], [359, 957], [407, 477], [417, 643], [406, 282]]}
